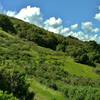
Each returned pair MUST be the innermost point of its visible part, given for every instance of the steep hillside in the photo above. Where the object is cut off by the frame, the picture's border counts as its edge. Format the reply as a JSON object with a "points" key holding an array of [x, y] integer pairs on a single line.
{"points": [[28, 57], [37, 64], [83, 52]]}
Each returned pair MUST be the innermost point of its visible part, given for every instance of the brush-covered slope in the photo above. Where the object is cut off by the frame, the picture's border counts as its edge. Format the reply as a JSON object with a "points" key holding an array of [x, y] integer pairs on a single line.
{"points": [[37, 64], [83, 52], [46, 66]]}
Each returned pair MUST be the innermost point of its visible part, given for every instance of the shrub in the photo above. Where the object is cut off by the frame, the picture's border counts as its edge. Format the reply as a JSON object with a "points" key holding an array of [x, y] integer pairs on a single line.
{"points": [[14, 82]]}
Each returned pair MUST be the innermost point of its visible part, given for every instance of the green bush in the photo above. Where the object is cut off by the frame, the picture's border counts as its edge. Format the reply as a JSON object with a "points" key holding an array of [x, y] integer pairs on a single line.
{"points": [[5, 96], [82, 93], [14, 82]]}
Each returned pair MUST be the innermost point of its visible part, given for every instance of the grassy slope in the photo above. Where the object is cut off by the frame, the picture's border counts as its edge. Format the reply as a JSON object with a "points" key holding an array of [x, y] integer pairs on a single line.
{"points": [[44, 93], [79, 69], [70, 66], [51, 57]]}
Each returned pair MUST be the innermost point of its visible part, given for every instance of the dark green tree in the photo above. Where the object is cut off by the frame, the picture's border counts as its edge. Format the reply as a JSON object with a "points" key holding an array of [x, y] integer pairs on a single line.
{"points": [[14, 82], [6, 24]]}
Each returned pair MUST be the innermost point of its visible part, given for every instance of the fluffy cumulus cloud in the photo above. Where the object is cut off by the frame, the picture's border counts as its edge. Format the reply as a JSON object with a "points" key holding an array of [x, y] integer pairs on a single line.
{"points": [[96, 30], [87, 27], [33, 15], [11, 13], [29, 14], [85, 37], [97, 16], [74, 27], [64, 31], [53, 24]]}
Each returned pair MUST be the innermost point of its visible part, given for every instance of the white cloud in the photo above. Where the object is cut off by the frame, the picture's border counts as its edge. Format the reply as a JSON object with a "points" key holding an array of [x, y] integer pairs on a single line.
{"points": [[87, 27], [84, 36], [51, 29], [11, 13], [53, 24], [65, 31], [74, 27], [80, 35], [97, 16], [96, 30], [29, 14]]}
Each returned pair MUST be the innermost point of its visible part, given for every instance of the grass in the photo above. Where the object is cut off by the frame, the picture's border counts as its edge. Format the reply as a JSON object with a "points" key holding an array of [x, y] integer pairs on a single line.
{"points": [[79, 69], [44, 93], [72, 67]]}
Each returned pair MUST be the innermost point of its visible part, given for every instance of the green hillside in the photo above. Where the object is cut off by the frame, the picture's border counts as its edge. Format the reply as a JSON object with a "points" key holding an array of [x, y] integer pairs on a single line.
{"points": [[39, 65], [83, 52]]}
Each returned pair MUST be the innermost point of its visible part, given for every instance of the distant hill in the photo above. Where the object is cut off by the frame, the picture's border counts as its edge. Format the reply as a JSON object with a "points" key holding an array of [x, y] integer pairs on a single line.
{"points": [[36, 64]]}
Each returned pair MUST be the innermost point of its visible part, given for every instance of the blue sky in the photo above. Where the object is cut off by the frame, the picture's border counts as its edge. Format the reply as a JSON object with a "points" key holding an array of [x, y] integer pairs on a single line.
{"points": [[71, 11], [64, 14]]}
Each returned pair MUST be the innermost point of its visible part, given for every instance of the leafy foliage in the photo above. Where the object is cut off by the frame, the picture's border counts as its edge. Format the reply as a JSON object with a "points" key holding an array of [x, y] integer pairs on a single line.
{"points": [[14, 82], [5, 96]]}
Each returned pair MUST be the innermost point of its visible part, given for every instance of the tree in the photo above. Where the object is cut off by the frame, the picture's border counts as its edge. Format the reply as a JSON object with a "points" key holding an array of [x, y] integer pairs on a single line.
{"points": [[6, 24], [14, 82], [84, 59]]}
